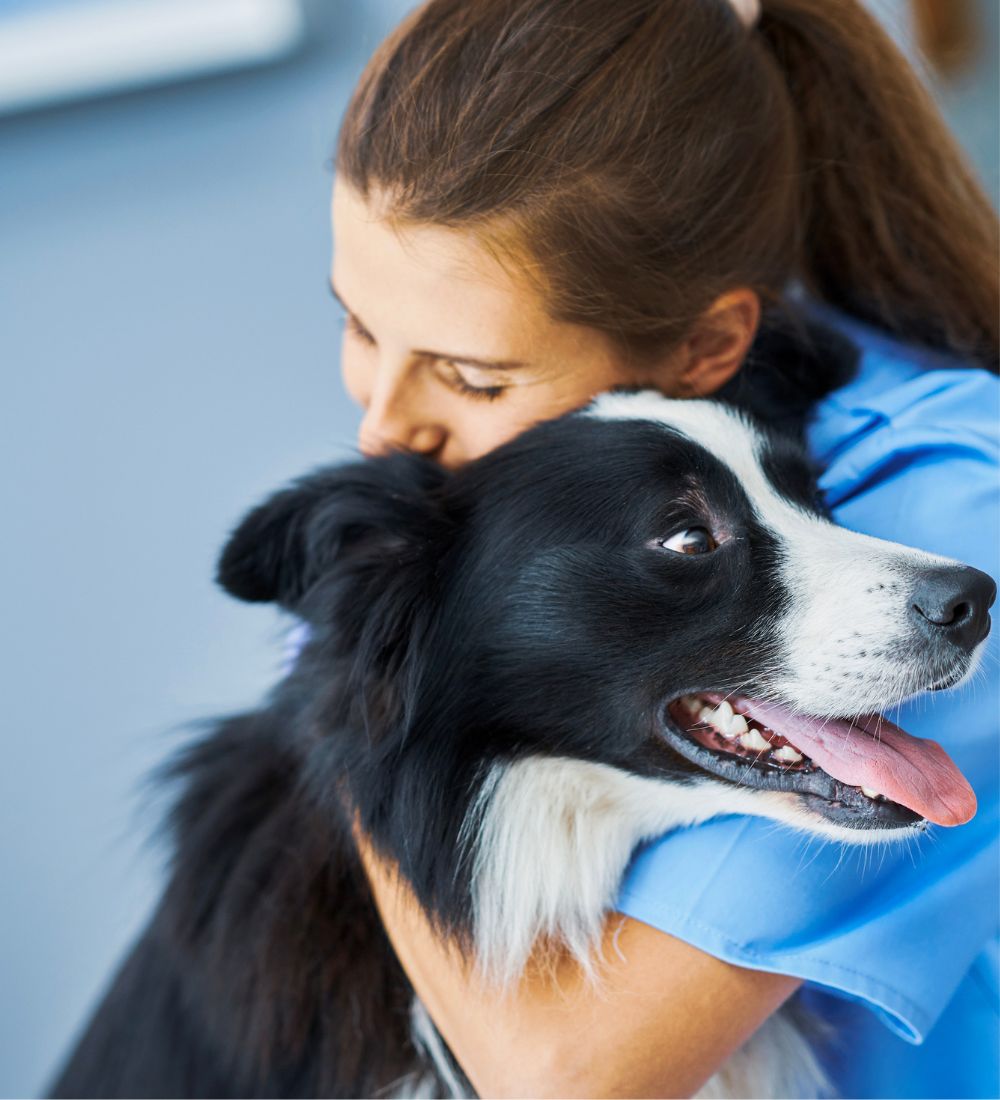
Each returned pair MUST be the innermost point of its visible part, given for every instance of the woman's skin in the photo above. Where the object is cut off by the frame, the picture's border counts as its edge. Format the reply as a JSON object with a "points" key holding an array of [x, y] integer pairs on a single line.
{"points": [[426, 308], [663, 1018]]}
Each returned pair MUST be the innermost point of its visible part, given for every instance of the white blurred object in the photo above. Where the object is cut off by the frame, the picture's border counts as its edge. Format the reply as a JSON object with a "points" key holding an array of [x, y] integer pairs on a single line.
{"points": [[53, 52]]}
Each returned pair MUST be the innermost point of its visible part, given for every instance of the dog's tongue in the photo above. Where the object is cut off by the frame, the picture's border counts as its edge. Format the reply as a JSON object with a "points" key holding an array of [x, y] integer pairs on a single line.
{"points": [[872, 752]]}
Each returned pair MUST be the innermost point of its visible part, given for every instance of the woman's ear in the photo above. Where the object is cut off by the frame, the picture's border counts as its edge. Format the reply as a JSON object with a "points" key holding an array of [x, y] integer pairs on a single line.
{"points": [[718, 343], [297, 536]]}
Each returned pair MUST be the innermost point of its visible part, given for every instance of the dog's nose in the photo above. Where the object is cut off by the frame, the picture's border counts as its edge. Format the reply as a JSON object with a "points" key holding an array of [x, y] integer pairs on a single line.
{"points": [[955, 603]]}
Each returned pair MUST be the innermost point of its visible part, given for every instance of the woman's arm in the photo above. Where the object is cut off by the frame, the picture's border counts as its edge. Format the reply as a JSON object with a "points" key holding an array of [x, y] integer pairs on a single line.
{"points": [[663, 1019]]}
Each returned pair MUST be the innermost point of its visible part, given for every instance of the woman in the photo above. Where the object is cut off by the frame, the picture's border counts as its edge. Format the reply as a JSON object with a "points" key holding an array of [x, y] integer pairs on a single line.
{"points": [[539, 199]]}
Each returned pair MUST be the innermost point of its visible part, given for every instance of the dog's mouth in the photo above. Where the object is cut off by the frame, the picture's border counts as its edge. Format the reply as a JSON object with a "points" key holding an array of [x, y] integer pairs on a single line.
{"points": [[863, 772]]}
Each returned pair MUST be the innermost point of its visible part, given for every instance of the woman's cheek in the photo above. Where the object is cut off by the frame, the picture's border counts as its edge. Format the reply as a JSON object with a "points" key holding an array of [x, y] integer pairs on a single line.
{"points": [[482, 430]]}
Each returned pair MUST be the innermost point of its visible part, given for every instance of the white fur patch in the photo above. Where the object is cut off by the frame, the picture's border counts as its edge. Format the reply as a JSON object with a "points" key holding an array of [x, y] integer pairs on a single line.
{"points": [[554, 836]]}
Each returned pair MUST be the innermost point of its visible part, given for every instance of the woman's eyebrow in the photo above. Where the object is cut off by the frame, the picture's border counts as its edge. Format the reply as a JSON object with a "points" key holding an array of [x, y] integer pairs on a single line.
{"points": [[468, 360]]}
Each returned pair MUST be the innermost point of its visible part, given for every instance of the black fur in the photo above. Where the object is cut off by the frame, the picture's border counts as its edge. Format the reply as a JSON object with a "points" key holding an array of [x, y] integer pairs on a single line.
{"points": [[792, 364]]}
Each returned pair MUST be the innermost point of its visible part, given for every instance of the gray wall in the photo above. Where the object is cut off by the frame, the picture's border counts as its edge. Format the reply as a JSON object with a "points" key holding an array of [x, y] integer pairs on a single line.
{"points": [[168, 353]]}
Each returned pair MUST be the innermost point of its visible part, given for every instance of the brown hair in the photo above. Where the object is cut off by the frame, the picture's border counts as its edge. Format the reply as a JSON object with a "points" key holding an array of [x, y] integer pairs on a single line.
{"points": [[644, 156]]}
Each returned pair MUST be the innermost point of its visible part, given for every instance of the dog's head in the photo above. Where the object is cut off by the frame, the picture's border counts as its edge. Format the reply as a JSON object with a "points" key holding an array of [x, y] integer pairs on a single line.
{"points": [[647, 591]]}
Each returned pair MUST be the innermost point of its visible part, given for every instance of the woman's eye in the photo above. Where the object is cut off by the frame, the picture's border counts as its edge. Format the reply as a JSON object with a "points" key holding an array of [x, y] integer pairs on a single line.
{"points": [[455, 379], [692, 540]]}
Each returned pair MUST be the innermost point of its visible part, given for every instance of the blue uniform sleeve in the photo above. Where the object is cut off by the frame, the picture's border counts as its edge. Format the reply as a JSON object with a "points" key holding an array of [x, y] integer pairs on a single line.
{"points": [[911, 455]]}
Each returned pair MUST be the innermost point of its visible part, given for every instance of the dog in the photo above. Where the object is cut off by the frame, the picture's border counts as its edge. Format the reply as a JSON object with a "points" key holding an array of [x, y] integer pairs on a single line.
{"points": [[629, 619]]}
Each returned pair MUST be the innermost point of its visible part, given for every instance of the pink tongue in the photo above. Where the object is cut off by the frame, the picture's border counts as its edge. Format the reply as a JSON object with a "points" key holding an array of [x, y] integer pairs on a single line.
{"points": [[872, 752]]}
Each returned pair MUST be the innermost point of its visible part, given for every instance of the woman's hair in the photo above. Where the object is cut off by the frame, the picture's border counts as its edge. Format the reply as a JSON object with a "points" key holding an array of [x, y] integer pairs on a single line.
{"points": [[641, 157]]}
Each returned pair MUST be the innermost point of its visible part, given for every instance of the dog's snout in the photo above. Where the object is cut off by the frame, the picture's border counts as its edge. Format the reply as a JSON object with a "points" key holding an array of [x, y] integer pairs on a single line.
{"points": [[955, 603]]}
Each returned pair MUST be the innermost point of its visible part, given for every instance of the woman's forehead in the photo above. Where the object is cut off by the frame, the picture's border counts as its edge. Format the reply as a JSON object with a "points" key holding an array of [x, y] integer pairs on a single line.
{"points": [[422, 268], [438, 288]]}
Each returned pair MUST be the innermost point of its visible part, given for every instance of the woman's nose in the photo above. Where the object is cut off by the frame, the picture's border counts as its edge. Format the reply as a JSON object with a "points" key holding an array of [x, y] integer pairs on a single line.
{"points": [[394, 420]]}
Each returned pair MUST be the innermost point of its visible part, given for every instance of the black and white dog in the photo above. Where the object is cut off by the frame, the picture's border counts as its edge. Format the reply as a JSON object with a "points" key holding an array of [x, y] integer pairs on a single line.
{"points": [[632, 618]]}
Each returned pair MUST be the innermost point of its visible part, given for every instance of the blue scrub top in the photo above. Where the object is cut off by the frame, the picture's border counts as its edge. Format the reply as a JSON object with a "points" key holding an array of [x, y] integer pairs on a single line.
{"points": [[898, 945]]}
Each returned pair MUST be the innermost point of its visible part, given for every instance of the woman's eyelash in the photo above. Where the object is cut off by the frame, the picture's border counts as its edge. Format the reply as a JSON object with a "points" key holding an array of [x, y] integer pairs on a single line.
{"points": [[358, 329], [483, 393]]}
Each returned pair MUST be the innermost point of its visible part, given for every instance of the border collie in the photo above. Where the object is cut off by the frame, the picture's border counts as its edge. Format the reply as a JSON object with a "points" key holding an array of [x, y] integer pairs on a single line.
{"points": [[629, 619]]}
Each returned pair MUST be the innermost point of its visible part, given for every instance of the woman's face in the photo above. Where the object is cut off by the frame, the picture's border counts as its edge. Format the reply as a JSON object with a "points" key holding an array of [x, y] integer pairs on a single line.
{"points": [[447, 352]]}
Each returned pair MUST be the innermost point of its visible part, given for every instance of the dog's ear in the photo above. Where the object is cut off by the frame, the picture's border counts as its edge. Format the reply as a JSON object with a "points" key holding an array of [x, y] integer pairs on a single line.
{"points": [[381, 509]]}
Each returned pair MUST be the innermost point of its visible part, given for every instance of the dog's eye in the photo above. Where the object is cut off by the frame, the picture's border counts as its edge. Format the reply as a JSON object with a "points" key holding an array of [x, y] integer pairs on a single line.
{"points": [[692, 540]]}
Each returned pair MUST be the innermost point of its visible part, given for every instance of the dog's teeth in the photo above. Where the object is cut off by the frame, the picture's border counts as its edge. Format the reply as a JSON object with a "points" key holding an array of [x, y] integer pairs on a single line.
{"points": [[724, 711], [721, 718], [787, 755], [753, 740], [869, 793], [738, 726]]}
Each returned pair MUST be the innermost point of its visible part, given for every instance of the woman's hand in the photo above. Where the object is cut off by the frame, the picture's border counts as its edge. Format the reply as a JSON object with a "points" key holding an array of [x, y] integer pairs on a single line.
{"points": [[664, 1017]]}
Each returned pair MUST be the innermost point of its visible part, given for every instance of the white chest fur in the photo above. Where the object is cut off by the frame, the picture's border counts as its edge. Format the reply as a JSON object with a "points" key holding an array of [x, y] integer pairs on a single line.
{"points": [[552, 838]]}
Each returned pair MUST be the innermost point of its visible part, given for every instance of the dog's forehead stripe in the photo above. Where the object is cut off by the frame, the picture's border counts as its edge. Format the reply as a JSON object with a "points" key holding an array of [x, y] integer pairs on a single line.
{"points": [[723, 432]]}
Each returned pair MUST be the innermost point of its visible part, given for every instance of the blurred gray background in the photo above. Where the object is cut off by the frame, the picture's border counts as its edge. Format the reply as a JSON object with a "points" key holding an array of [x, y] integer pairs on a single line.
{"points": [[168, 354]]}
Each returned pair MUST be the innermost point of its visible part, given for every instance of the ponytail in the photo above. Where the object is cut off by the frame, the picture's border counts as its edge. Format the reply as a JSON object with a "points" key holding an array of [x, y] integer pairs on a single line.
{"points": [[895, 229]]}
